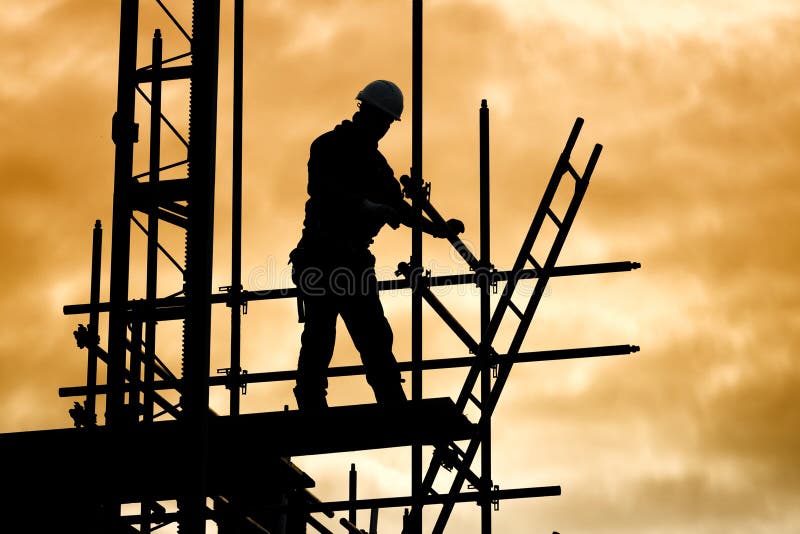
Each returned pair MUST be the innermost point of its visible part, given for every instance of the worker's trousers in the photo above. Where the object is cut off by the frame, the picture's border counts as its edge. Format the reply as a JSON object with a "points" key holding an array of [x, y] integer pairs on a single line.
{"points": [[352, 292]]}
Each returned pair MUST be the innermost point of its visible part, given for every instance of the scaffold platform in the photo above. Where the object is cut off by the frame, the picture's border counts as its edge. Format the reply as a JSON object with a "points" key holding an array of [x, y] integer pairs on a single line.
{"points": [[147, 459]]}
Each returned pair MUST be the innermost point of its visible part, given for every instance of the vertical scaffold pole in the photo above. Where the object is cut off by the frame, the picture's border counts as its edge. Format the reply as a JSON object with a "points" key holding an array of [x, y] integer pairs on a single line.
{"points": [[236, 208], [151, 290], [152, 229], [94, 322], [135, 372], [124, 135], [353, 494], [416, 258], [485, 426]]}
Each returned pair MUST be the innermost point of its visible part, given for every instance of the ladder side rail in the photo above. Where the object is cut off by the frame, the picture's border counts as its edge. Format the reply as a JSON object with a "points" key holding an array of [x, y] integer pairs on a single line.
{"points": [[497, 387], [533, 232], [519, 264], [464, 395], [497, 316], [504, 368], [541, 283]]}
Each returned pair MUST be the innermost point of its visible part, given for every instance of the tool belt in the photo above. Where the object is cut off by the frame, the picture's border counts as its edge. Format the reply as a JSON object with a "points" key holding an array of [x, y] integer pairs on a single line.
{"points": [[337, 271]]}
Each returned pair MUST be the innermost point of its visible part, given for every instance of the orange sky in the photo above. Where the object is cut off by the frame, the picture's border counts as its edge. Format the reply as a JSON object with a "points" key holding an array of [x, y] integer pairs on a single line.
{"points": [[696, 104]]}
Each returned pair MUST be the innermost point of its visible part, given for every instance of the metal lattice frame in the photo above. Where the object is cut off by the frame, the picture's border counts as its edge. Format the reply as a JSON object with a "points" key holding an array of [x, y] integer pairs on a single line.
{"points": [[133, 368]]}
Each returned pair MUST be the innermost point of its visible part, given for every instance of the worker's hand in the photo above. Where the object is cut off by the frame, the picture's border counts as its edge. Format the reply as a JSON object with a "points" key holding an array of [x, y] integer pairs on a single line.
{"points": [[391, 216], [382, 212], [453, 227]]}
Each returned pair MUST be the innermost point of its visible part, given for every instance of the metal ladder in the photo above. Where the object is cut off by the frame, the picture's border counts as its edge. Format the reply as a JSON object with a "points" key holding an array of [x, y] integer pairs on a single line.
{"points": [[452, 455]]}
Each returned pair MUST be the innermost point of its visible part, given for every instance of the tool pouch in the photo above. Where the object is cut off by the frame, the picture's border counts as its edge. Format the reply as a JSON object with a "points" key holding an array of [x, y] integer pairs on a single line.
{"points": [[296, 259]]}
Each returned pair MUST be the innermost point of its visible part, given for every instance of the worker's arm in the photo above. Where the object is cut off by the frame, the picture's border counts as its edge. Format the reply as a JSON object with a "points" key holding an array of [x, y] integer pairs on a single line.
{"points": [[409, 216], [400, 212], [390, 207]]}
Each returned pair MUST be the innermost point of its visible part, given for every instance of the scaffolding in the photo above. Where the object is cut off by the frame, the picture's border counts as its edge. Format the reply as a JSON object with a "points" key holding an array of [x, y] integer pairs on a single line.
{"points": [[153, 448]]}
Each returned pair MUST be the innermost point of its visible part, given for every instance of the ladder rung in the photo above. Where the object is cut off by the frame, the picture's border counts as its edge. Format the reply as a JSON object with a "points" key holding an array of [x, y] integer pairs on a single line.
{"points": [[573, 172], [514, 308], [456, 449], [535, 264], [475, 400], [470, 475], [553, 217]]}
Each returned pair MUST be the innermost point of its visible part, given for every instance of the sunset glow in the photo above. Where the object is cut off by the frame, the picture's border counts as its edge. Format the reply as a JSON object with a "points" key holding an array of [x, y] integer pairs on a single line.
{"points": [[697, 106]]}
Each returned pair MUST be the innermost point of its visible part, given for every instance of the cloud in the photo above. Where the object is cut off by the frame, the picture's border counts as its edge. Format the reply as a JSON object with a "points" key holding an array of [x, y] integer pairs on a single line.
{"points": [[698, 116]]}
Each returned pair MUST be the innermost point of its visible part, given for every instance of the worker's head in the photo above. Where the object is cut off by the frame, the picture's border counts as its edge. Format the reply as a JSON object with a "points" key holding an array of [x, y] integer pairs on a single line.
{"points": [[381, 103]]}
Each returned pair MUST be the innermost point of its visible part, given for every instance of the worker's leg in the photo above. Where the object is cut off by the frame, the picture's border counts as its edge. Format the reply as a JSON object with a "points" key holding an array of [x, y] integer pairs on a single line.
{"points": [[316, 351], [372, 335]]}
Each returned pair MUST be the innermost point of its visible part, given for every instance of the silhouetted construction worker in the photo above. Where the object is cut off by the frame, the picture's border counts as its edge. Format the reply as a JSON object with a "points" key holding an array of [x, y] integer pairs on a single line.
{"points": [[352, 194]]}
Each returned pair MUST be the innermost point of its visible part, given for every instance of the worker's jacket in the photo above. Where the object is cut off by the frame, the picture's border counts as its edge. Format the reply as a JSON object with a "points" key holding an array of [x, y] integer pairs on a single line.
{"points": [[344, 169]]}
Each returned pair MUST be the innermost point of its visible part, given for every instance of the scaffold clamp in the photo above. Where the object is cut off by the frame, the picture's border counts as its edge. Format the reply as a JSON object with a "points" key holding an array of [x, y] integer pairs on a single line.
{"points": [[227, 372], [85, 338]]}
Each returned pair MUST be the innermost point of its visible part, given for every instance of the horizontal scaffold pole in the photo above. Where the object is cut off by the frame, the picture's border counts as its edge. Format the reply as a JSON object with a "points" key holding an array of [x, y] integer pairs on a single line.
{"points": [[467, 496], [383, 285], [398, 502], [426, 365]]}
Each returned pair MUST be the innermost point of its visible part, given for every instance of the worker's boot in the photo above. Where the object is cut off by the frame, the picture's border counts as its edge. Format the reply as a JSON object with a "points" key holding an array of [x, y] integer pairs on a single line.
{"points": [[310, 400], [390, 394]]}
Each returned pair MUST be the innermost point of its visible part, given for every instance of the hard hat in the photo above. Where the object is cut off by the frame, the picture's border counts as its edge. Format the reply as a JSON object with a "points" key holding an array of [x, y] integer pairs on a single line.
{"points": [[385, 96]]}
